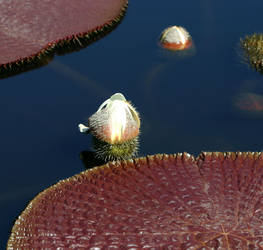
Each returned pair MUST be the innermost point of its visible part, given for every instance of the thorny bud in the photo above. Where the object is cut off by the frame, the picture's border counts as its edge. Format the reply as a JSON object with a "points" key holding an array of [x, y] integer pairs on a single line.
{"points": [[115, 129]]}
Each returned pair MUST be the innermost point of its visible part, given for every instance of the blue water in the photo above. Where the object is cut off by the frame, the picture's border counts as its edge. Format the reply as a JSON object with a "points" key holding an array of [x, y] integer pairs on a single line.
{"points": [[185, 102]]}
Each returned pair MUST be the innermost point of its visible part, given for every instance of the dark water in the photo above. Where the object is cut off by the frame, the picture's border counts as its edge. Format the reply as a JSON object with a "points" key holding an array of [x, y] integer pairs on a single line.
{"points": [[186, 103]]}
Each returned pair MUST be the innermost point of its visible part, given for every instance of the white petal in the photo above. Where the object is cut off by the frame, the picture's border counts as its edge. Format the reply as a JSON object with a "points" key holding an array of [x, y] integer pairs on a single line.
{"points": [[83, 128]]}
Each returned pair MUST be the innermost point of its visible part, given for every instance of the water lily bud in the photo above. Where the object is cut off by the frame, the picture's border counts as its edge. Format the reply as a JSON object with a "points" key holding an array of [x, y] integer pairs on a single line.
{"points": [[116, 120], [115, 129], [176, 38]]}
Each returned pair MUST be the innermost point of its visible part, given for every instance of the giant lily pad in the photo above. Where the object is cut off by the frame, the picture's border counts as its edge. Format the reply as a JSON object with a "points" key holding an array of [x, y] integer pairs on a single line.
{"points": [[214, 201], [31, 31]]}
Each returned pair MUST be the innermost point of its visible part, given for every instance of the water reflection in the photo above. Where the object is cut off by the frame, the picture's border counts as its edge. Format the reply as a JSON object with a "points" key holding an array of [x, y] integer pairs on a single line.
{"points": [[79, 78], [249, 104]]}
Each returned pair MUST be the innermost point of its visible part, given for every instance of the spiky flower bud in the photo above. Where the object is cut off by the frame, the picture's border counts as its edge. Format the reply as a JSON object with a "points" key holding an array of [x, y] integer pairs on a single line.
{"points": [[252, 46], [115, 129]]}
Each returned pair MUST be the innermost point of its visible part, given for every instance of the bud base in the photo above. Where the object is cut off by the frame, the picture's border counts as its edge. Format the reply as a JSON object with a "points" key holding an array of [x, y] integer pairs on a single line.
{"points": [[118, 151]]}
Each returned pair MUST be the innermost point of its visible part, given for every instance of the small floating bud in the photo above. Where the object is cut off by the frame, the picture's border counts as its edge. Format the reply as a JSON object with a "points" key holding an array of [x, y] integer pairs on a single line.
{"points": [[115, 129], [175, 38]]}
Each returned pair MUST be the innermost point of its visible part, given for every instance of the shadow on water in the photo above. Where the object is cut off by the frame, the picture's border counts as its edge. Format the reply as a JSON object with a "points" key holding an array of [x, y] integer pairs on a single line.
{"points": [[89, 160], [79, 78]]}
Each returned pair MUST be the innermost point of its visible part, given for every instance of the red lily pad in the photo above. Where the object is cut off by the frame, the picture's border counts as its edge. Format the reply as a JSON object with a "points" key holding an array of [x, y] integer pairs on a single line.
{"points": [[163, 202], [32, 30]]}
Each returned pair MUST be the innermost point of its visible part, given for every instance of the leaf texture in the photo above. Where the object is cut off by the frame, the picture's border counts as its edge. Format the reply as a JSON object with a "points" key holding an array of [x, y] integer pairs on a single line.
{"points": [[158, 202], [32, 29]]}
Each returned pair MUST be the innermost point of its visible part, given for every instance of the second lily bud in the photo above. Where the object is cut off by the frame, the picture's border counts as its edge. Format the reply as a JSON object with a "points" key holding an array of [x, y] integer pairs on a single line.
{"points": [[115, 128]]}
